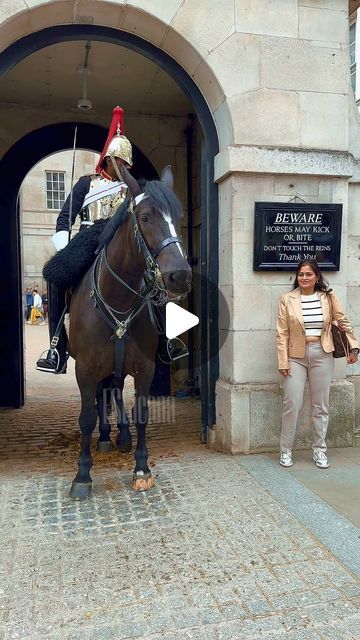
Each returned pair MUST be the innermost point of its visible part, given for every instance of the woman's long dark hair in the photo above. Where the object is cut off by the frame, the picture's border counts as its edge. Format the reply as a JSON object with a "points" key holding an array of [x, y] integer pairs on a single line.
{"points": [[321, 284]]}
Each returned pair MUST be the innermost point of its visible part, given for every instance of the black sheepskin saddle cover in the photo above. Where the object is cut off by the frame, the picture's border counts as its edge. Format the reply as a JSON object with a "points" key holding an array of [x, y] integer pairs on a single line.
{"points": [[68, 266]]}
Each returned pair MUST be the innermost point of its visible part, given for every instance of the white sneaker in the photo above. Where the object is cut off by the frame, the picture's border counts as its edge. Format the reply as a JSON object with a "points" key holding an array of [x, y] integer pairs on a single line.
{"points": [[320, 459], [286, 459]]}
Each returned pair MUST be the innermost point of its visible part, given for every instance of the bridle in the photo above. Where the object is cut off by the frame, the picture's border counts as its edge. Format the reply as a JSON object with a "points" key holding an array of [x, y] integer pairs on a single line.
{"points": [[152, 291], [149, 255]]}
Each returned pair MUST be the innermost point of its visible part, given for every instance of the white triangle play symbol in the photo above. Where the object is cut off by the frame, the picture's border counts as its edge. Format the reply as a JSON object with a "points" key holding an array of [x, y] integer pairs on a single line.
{"points": [[178, 320]]}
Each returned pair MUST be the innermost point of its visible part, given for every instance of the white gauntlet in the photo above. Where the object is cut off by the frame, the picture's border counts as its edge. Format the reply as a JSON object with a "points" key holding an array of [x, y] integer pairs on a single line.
{"points": [[60, 239]]}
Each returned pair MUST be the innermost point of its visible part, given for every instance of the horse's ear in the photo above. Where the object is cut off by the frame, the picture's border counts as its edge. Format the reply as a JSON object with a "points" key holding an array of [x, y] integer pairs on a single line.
{"points": [[167, 177], [130, 181]]}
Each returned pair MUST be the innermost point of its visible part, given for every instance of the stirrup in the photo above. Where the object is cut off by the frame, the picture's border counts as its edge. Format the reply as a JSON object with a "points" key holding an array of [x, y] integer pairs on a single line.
{"points": [[181, 347], [52, 357]]}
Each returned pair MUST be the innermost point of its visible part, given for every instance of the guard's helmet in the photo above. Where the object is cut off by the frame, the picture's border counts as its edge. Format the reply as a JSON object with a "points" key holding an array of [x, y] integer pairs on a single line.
{"points": [[117, 145], [120, 147]]}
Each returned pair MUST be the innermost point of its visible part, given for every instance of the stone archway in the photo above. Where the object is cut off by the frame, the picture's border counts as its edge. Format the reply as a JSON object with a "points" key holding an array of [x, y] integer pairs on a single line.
{"points": [[11, 367]]}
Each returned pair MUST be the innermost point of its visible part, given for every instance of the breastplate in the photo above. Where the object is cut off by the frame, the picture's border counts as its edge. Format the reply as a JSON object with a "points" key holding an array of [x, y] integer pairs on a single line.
{"points": [[106, 206]]}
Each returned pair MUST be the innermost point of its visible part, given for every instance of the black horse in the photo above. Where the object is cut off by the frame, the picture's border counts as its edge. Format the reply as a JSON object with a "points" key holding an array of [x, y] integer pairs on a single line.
{"points": [[140, 263]]}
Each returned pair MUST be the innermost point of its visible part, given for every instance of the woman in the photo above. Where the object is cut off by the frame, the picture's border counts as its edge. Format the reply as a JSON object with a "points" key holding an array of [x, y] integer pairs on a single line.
{"points": [[36, 310], [305, 346]]}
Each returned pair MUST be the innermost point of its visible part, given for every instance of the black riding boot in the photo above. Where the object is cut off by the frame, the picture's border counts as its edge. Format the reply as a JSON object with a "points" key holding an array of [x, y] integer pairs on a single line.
{"points": [[56, 357]]}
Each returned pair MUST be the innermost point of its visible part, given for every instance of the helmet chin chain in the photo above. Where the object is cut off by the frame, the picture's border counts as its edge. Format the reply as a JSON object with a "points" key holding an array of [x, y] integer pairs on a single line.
{"points": [[116, 168]]}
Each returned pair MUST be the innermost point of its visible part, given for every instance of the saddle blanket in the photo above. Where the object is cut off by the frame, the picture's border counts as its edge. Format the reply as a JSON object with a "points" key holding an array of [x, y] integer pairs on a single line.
{"points": [[67, 267]]}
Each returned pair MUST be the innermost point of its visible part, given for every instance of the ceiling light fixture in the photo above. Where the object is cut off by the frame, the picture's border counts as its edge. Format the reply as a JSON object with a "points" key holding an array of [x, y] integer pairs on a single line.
{"points": [[84, 104]]}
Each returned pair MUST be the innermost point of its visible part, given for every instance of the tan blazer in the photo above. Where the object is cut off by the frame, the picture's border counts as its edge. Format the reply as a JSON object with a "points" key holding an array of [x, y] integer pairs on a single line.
{"points": [[290, 326]]}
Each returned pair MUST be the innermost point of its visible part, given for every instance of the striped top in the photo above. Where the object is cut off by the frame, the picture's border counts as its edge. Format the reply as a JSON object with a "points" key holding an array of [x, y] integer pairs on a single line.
{"points": [[312, 314]]}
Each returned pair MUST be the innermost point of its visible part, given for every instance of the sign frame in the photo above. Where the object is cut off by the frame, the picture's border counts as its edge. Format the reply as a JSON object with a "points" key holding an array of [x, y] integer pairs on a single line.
{"points": [[267, 213]]}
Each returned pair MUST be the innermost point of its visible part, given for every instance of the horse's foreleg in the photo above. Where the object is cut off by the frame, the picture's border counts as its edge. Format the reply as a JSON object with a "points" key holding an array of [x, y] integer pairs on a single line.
{"points": [[81, 485], [124, 439], [142, 478], [103, 402]]}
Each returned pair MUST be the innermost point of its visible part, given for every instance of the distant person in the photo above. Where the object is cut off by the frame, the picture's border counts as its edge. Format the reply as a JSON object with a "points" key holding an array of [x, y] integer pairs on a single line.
{"points": [[29, 300], [36, 310], [44, 300], [305, 352]]}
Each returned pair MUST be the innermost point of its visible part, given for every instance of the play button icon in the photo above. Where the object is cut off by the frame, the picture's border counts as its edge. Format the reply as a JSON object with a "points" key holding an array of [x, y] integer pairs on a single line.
{"points": [[178, 320]]}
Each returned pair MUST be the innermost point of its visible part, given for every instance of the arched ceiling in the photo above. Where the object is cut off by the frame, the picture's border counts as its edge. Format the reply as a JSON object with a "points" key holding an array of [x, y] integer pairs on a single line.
{"points": [[50, 78]]}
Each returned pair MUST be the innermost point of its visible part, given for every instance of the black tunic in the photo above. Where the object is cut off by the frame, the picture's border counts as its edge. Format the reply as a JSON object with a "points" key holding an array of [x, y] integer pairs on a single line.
{"points": [[81, 188]]}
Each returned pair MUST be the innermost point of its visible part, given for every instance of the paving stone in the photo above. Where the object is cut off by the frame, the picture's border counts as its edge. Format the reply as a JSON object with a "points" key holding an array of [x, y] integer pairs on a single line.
{"points": [[330, 594], [231, 612], [209, 615], [351, 590], [258, 607], [294, 600], [187, 618], [325, 613], [134, 629], [352, 625], [159, 624], [107, 632], [297, 634], [336, 632]]}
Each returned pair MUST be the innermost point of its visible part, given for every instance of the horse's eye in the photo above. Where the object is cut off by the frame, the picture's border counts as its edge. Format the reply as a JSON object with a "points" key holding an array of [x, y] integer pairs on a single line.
{"points": [[144, 217]]}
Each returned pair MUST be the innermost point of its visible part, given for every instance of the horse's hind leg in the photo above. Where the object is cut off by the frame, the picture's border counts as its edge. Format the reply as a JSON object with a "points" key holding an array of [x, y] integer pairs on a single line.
{"points": [[142, 478], [81, 485], [124, 439], [103, 403]]}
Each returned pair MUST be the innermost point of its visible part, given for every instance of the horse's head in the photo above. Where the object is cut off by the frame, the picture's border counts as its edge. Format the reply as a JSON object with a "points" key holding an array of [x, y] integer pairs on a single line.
{"points": [[158, 215]]}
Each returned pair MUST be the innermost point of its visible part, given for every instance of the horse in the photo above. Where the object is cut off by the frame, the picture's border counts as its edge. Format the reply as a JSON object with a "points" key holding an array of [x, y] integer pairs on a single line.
{"points": [[140, 263]]}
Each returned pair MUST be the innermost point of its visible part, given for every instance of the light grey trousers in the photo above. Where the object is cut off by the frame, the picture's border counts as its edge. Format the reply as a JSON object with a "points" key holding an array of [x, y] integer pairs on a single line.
{"points": [[317, 367]]}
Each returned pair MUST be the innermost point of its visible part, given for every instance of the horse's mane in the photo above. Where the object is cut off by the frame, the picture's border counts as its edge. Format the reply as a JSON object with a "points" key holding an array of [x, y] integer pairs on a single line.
{"points": [[161, 197]]}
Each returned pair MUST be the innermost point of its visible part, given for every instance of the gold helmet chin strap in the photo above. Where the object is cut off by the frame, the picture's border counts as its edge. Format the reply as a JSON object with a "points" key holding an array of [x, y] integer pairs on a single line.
{"points": [[116, 168]]}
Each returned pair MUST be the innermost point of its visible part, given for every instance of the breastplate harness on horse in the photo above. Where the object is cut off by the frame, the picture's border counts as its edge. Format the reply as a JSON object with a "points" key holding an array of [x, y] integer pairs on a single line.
{"points": [[152, 293]]}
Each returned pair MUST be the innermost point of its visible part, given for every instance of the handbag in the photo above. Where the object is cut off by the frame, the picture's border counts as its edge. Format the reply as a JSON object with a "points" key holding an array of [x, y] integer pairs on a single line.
{"points": [[341, 343]]}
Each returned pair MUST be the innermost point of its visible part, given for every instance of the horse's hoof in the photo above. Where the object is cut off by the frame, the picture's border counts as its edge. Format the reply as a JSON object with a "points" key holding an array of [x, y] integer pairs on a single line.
{"points": [[104, 446], [123, 447], [80, 490], [142, 482]]}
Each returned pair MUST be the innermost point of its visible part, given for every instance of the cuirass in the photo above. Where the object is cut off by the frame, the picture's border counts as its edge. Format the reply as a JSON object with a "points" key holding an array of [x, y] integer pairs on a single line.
{"points": [[106, 206]]}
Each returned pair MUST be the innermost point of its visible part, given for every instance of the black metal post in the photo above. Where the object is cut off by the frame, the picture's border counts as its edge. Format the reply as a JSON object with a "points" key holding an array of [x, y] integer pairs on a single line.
{"points": [[190, 243]]}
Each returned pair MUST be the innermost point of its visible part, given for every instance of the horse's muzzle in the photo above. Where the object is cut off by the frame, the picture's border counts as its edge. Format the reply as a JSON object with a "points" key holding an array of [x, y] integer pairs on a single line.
{"points": [[177, 283]]}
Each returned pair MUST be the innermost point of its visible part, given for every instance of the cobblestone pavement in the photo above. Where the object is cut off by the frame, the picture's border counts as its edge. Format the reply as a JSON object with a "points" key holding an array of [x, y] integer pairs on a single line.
{"points": [[206, 554], [209, 554]]}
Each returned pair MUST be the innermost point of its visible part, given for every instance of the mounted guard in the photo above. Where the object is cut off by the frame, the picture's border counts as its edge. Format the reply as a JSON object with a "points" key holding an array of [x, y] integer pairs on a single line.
{"points": [[95, 198]]}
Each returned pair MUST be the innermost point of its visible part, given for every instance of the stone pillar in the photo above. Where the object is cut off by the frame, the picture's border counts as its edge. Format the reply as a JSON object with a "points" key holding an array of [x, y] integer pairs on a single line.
{"points": [[249, 397]]}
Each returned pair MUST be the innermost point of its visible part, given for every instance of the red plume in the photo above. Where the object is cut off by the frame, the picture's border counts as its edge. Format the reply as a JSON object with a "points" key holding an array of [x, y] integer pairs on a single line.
{"points": [[117, 120]]}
